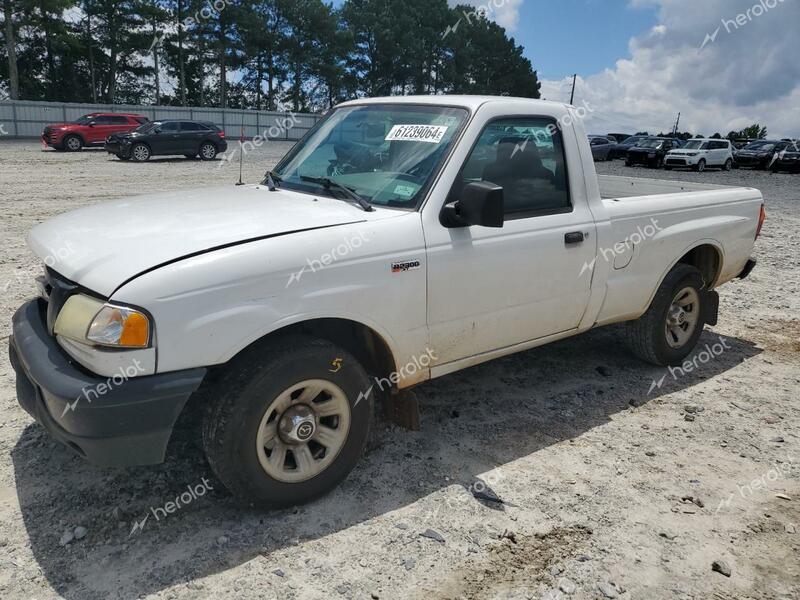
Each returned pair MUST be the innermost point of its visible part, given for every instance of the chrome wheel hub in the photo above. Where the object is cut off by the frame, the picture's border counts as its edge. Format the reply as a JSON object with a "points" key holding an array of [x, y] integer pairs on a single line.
{"points": [[303, 430], [683, 315], [297, 425]]}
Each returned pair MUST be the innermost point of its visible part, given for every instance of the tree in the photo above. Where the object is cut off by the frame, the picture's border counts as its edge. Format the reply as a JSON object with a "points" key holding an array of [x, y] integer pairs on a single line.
{"points": [[11, 49]]}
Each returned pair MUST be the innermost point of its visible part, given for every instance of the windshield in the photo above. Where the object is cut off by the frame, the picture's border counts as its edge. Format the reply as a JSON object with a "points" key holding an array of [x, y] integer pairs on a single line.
{"points": [[146, 127], [651, 144], [695, 145], [762, 146], [84, 120], [632, 140], [386, 153]]}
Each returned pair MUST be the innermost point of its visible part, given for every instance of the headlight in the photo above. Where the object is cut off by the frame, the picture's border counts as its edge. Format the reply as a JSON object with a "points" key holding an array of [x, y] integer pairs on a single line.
{"points": [[88, 320], [691, 154]]}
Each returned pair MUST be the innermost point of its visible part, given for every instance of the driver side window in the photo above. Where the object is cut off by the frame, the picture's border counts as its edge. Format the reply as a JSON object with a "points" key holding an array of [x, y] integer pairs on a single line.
{"points": [[524, 156]]}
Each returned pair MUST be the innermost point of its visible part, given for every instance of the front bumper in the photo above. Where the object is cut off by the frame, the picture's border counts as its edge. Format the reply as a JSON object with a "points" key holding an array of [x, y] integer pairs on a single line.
{"points": [[114, 147], [751, 161], [114, 421], [642, 158]]}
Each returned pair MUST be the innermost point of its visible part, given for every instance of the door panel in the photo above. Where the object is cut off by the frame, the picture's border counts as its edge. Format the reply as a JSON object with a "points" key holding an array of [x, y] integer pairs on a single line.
{"points": [[492, 288]]}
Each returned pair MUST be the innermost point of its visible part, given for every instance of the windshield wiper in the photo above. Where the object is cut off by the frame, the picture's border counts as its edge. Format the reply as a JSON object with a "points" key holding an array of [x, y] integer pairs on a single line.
{"points": [[329, 183], [269, 179]]}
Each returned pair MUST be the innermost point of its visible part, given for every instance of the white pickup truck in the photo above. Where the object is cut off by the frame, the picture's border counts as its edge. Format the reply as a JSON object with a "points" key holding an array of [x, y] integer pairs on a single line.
{"points": [[402, 239]]}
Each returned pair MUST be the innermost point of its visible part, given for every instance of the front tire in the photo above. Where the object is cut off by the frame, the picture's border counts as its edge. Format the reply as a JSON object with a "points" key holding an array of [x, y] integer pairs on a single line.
{"points": [[140, 152], [728, 165], [700, 166], [287, 421], [668, 332], [73, 143]]}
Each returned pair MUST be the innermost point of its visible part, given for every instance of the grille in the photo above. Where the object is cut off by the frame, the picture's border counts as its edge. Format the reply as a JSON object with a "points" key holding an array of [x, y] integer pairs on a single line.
{"points": [[56, 290]]}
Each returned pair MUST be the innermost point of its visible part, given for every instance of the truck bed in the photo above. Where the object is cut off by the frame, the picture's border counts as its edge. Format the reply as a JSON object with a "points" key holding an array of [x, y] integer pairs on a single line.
{"points": [[614, 186]]}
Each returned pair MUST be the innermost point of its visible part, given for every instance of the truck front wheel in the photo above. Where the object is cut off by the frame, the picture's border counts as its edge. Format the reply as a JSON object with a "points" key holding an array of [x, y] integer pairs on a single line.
{"points": [[287, 421], [669, 330]]}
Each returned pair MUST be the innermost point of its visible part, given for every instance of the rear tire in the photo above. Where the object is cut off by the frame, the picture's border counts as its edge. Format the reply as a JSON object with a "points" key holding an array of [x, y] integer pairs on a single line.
{"points": [[266, 392], [678, 306], [72, 143], [208, 151], [728, 165]]}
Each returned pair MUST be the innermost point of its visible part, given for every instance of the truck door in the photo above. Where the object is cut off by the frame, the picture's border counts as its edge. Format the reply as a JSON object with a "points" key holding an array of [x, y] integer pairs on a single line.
{"points": [[490, 288]]}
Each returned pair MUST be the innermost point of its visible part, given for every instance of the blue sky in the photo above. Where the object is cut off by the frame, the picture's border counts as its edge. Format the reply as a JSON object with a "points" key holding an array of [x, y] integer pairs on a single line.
{"points": [[562, 37]]}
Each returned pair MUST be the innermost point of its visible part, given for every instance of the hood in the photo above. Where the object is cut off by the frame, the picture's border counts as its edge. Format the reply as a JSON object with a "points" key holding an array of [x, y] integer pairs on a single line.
{"points": [[102, 246]]}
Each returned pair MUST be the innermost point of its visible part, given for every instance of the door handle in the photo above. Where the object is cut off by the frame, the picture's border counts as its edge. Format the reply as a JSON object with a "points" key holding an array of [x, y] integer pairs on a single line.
{"points": [[573, 237]]}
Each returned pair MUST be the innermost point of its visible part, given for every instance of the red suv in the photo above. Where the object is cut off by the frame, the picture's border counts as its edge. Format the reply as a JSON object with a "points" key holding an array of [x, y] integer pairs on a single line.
{"points": [[89, 130]]}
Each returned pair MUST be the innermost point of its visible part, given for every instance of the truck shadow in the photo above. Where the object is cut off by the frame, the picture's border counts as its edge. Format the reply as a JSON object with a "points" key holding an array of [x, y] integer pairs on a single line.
{"points": [[472, 422]]}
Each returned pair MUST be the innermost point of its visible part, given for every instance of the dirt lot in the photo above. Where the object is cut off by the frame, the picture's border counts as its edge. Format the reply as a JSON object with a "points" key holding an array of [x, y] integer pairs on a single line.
{"points": [[614, 486]]}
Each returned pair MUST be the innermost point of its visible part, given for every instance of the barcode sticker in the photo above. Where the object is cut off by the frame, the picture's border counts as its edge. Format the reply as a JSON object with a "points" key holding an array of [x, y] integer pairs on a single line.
{"points": [[432, 134]]}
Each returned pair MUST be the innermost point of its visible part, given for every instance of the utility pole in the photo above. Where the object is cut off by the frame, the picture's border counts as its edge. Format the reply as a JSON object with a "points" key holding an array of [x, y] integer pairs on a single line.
{"points": [[677, 121], [572, 95]]}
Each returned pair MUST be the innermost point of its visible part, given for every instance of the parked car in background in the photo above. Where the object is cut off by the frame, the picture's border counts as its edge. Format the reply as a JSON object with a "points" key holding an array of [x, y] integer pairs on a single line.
{"points": [[651, 152], [788, 159], [759, 154], [621, 150], [172, 137], [618, 137], [698, 154], [89, 130], [601, 147]]}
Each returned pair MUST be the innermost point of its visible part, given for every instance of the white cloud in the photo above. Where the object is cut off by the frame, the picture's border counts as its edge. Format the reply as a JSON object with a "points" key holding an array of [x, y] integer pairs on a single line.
{"points": [[748, 72], [503, 12]]}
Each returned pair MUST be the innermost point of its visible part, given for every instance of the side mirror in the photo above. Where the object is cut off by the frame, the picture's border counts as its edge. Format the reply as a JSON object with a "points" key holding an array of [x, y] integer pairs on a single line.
{"points": [[157, 130], [481, 203], [91, 123]]}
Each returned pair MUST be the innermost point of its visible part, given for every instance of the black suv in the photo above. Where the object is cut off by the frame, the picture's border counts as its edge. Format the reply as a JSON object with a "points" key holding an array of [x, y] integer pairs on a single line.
{"points": [[760, 154], [651, 151], [164, 138]]}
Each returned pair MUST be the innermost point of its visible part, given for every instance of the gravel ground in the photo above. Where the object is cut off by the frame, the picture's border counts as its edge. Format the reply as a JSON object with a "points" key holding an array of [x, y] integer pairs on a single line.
{"points": [[611, 488]]}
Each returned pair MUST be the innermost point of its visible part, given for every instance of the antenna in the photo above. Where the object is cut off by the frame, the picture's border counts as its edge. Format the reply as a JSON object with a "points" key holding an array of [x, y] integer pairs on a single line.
{"points": [[572, 95], [678, 120], [241, 151]]}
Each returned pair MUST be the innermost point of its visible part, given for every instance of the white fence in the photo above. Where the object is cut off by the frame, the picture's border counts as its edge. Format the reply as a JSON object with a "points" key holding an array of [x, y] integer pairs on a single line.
{"points": [[26, 119]]}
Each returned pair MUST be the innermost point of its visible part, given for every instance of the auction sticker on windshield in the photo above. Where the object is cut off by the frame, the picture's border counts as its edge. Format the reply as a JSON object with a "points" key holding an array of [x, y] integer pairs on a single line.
{"points": [[417, 133]]}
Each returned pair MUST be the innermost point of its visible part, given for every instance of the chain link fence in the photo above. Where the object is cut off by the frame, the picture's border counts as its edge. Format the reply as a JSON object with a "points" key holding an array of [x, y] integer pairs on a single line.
{"points": [[26, 119]]}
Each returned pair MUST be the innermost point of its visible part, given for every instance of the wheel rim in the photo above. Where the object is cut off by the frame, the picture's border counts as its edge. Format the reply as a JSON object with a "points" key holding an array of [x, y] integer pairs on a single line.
{"points": [[73, 143], [303, 430], [682, 317], [728, 165], [701, 166], [141, 153], [208, 151]]}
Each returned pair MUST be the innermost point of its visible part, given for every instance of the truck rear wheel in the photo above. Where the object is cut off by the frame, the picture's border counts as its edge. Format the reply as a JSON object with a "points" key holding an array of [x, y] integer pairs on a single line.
{"points": [[669, 330], [287, 421]]}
